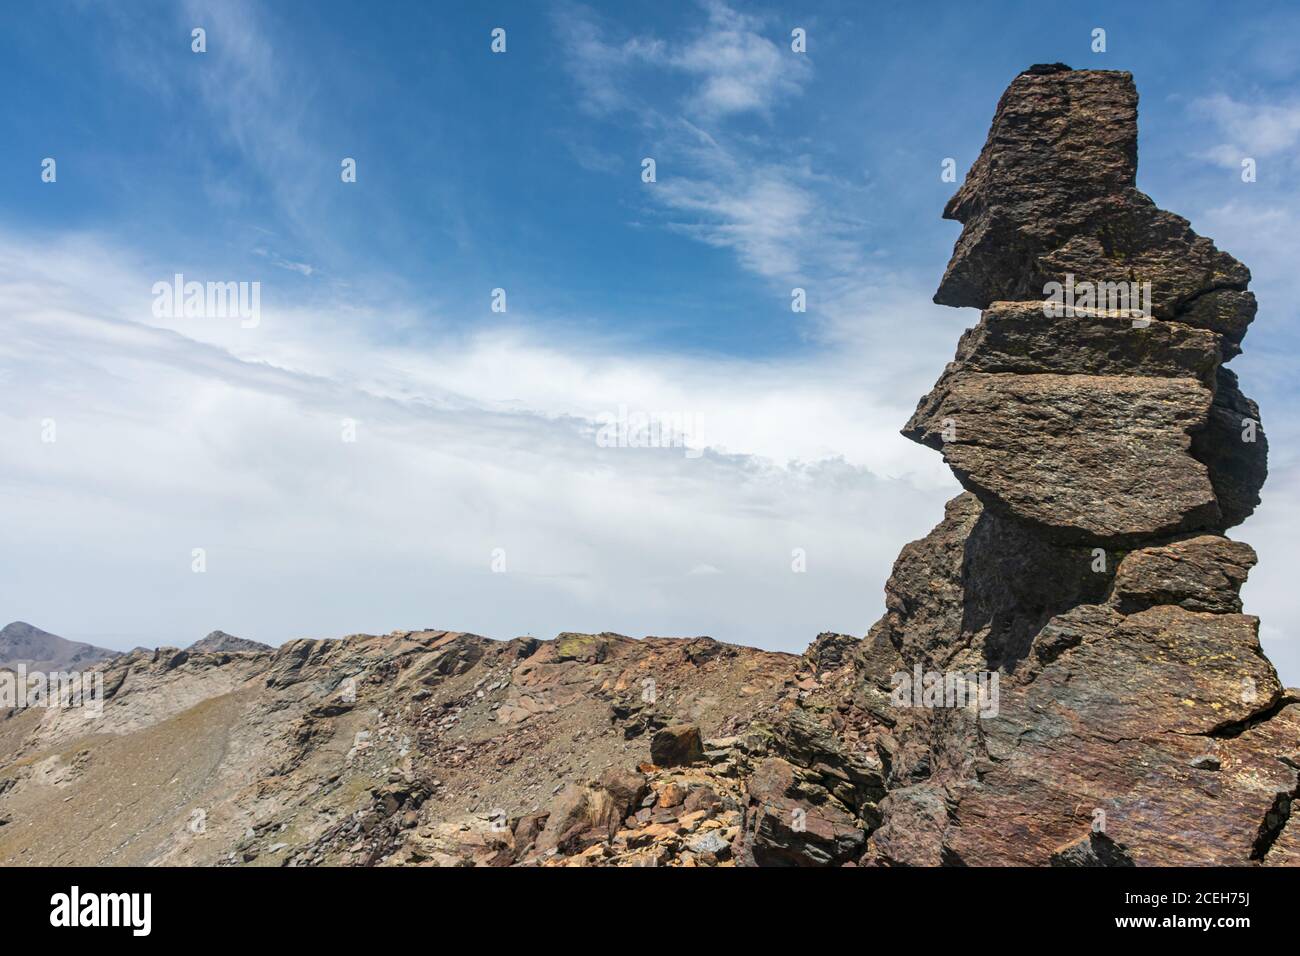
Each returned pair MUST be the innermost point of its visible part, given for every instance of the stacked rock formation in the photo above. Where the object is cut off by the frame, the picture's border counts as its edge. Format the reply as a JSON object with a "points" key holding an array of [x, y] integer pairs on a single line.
{"points": [[1104, 453]]}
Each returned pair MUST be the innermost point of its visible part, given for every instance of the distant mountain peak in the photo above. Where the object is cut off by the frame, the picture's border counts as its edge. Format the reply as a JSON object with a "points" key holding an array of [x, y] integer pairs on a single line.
{"points": [[26, 644], [221, 641]]}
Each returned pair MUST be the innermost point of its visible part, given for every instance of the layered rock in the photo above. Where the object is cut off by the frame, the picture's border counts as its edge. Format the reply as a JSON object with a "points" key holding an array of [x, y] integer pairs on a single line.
{"points": [[1054, 192], [1105, 451]]}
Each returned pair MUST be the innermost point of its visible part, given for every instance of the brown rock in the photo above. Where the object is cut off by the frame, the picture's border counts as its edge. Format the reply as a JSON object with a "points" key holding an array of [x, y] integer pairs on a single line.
{"points": [[1204, 573], [1234, 449], [528, 828], [781, 829], [673, 795], [677, 746], [1225, 311], [1022, 338], [701, 798], [1137, 721], [1090, 459], [625, 787], [1054, 193]]}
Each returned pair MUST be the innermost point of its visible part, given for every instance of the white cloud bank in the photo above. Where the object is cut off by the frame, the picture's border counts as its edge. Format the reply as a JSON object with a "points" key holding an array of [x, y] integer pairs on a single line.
{"points": [[175, 434]]}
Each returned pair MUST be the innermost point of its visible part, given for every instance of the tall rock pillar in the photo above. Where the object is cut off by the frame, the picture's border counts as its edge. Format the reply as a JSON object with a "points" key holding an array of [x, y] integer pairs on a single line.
{"points": [[1105, 449]]}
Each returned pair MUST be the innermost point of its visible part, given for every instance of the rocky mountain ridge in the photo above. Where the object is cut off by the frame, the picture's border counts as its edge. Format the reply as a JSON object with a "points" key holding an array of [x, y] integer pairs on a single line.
{"points": [[414, 747]]}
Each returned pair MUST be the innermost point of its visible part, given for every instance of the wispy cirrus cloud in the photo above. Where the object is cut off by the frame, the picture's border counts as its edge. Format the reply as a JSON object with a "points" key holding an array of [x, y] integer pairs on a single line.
{"points": [[289, 265], [1249, 129], [759, 214], [787, 222], [736, 67], [732, 65]]}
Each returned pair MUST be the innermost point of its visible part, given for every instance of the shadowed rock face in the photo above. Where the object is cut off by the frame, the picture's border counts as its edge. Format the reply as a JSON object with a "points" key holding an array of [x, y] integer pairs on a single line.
{"points": [[1138, 721]]}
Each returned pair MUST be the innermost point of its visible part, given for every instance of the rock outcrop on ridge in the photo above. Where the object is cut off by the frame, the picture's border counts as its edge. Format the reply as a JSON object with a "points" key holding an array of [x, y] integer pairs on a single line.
{"points": [[1105, 452], [1063, 675], [221, 641]]}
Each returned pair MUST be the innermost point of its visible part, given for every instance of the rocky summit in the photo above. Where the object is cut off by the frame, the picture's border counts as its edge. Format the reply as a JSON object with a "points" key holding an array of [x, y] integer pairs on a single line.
{"points": [[221, 641], [1063, 675]]}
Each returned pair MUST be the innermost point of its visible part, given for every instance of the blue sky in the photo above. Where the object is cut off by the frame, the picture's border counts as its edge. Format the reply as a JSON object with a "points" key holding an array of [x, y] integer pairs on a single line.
{"points": [[522, 171]]}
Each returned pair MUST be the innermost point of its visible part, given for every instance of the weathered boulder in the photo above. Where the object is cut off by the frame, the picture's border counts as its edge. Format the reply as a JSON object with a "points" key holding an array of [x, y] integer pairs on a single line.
{"points": [[1090, 458], [1203, 573], [1225, 311], [782, 829], [625, 787], [579, 817], [528, 828], [582, 816], [1024, 338], [1054, 193], [676, 745], [830, 651]]}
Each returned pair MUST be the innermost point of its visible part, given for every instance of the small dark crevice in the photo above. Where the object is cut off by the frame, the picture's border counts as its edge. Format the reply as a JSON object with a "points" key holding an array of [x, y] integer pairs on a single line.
{"points": [[950, 857], [1273, 823], [1235, 728], [1185, 306]]}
